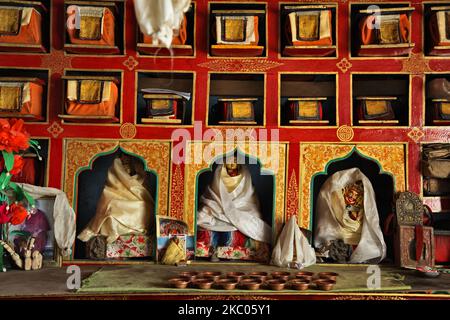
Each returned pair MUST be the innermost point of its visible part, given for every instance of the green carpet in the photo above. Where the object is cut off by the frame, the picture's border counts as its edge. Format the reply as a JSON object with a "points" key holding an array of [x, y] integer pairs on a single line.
{"points": [[153, 279]]}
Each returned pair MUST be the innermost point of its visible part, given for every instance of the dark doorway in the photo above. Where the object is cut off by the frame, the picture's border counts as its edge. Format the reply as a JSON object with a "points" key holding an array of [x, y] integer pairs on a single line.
{"points": [[90, 187], [382, 183]]}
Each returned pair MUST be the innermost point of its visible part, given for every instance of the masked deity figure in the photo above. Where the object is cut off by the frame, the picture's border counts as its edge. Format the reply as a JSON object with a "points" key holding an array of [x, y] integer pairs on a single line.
{"points": [[346, 210], [229, 214], [125, 206]]}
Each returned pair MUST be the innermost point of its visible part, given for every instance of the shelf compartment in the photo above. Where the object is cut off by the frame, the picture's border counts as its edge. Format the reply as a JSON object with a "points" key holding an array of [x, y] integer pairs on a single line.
{"points": [[318, 42], [242, 30], [94, 42], [182, 44], [78, 109]]}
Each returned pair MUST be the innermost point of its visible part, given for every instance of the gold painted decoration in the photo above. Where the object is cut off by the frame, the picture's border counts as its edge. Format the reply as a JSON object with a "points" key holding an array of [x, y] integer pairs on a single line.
{"points": [[344, 65], [56, 62], [416, 134], [345, 133], [208, 152], [10, 97], [416, 64], [244, 65], [177, 194], [90, 27], [308, 26], [55, 129], [292, 197], [128, 130], [81, 153], [131, 63], [314, 158], [10, 19]]}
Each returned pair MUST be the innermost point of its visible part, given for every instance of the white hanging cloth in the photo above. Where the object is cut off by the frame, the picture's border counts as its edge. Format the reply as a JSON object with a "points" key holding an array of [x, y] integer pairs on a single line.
{"points": [[333, 222], [63, 214], [158, 18], [292, 246]]}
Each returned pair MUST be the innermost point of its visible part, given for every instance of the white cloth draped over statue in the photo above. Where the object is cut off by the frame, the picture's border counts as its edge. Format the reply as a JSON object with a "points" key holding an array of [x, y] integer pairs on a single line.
{"points": [[158, 18], [333, 224], [124, 207], [230, 204]]}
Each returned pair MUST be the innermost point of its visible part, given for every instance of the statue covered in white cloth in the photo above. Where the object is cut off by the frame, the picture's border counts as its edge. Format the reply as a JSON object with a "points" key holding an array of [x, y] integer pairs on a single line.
{"points": [[347, 212], [229, 213]]}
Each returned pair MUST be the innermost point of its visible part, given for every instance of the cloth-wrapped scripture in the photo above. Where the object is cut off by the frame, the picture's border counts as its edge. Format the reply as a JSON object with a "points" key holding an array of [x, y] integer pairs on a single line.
{"points": [[91, 98], [310, 28], [346, 209], [393, 29], [21, 97], [436, 163], [90, 25], [292, 246], [439, 27], [20, 25]]}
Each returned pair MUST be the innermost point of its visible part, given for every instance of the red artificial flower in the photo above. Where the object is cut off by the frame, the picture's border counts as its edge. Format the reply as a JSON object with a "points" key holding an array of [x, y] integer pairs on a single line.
{"points": [[4, 216], [20, 137], [17, 213], [18, 165], [13, 136]]}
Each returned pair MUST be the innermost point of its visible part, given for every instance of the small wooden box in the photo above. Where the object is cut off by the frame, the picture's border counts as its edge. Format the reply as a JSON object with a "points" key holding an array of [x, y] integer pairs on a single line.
{"points": [[306, 111], [238, 111], [376, 111], [439, 31], [441, 112], [164, 108], [405, 247]]}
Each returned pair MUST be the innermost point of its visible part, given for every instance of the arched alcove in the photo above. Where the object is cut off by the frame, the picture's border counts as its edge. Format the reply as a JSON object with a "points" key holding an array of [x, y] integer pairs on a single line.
{"points": [[383, 184], [90, 185], [262, 180]]}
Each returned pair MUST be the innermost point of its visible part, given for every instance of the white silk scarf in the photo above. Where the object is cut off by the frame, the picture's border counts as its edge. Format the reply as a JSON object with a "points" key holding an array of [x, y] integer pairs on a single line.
{"points": [[159, 18]]}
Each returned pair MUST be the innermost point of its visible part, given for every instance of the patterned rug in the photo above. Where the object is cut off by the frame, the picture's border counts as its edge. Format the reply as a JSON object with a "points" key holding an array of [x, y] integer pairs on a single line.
{"points": [[153, 279]]}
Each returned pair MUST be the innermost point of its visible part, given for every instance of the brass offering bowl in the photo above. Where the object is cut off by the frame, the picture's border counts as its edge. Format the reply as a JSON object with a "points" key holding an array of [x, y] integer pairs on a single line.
{"points": [[188, 274], [179, 282], [204, 283], [211, 274], [227, 283], [235, 275], [304, 275], [283, 275], [276, 284], [250, 284], [328, 275], [259, 275], [325, 284], [299, 284]]}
